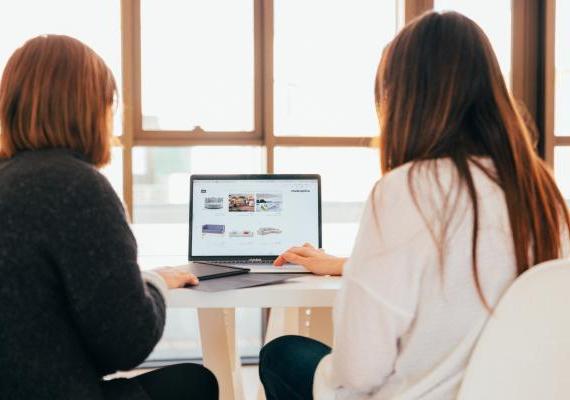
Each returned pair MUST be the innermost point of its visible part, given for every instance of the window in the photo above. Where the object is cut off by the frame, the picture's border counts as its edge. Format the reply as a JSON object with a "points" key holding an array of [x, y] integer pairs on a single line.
{"points": [[162, 177], [562, 67], [325, 59], [161, 193], [495, 22], [53, 17], [562, 97], [181, 340], [207, 97], [347, 177], [561, 168], [197, 65]]}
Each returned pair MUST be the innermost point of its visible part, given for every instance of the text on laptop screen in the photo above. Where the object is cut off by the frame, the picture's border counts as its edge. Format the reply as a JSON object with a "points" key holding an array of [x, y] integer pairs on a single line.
{"points": [[253, 217]]}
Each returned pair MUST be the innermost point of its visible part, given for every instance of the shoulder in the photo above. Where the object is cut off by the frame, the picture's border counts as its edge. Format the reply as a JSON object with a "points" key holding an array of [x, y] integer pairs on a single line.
{"points": [[399, 188], [434, 182], [51, 164], [59, 178], [69, 169], [391, 216], [411, 200], [427, 197], [418, 175]]}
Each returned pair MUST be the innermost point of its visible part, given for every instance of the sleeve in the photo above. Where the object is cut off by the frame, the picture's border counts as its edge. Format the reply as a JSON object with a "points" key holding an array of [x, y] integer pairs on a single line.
{"points": [[376, 304], [154, 279], [119, 317]]}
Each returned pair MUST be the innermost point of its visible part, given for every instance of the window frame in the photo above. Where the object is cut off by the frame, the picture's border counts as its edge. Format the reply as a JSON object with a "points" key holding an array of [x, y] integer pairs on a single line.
{"points": [[532, 57], [552, 141], [263, 134]]}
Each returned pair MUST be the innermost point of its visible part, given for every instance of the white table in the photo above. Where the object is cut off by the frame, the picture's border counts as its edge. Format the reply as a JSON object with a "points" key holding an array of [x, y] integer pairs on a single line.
{"points": [[300, 306]]}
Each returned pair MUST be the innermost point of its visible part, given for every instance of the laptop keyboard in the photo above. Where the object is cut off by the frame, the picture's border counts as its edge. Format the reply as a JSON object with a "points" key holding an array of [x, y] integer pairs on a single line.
{"points": [[242, 261]]}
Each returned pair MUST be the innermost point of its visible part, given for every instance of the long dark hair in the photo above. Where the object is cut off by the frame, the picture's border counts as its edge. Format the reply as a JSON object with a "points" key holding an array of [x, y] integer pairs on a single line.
{"points": [[440, 94]]}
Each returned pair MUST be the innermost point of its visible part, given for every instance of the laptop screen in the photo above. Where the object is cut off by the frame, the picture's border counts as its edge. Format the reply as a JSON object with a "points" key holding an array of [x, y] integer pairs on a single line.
{"points": [[253, 217]]}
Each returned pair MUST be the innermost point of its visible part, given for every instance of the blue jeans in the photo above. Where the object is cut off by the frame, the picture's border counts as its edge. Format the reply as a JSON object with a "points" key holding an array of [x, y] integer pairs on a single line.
{"points": [[287, 366]]}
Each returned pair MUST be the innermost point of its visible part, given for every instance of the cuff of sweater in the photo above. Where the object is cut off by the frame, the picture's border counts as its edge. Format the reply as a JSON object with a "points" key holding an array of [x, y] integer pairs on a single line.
{"points": [[154, 279]]}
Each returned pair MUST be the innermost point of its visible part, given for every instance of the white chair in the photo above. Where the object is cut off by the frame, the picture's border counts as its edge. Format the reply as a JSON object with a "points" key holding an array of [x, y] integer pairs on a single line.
{"points": [[524, 350]]}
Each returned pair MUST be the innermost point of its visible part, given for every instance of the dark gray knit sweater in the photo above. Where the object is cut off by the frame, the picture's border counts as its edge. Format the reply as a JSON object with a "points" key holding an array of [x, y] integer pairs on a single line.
{"points": [[73, 307]]}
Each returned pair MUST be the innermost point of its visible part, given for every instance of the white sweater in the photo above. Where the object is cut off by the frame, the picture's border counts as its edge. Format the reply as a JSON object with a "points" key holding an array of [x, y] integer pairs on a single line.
{"points": [[405, 325]]}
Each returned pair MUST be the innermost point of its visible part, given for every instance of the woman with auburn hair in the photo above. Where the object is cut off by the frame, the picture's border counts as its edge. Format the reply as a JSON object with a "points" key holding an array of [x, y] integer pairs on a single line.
{"points": [[464, 207], [74, 307]]}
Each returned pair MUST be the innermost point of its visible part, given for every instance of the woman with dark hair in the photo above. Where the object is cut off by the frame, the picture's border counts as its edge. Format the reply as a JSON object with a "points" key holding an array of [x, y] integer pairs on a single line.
{"points": [[72, 302], [463, 208]]}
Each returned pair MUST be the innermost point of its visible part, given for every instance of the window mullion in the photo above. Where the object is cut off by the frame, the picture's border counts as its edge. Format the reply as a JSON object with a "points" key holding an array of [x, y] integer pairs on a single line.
{"points": [[131, 66], [413, 8]]}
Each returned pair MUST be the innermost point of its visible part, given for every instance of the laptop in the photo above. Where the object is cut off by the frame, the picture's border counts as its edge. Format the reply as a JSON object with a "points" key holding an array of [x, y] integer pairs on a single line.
{"points": [[246, 221]]}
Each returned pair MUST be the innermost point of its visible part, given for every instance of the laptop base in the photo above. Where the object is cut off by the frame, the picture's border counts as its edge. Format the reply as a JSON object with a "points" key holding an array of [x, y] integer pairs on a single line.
{"points": [[263, 268]]}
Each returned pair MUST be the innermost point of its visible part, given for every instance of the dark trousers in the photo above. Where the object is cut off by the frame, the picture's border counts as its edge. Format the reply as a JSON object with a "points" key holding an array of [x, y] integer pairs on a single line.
{"points": [[287, 366], [178, 382]]}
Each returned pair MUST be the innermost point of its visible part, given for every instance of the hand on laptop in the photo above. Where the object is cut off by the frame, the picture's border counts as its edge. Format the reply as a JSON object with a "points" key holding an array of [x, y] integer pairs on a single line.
{"points": [[315, 260], [176, 277]]}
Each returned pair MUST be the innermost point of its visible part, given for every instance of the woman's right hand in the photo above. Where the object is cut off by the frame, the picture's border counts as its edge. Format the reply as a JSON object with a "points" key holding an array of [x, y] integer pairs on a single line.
{"points": [[315, 260], [176, 277]]}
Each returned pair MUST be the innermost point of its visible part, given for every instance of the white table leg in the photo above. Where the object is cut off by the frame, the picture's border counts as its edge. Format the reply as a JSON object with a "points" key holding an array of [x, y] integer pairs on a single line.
{"points": [[219, 348], [313, 322]]}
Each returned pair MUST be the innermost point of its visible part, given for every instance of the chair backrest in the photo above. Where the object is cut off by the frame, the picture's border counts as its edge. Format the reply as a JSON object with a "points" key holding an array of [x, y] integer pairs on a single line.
{"points": [[524, 350]]}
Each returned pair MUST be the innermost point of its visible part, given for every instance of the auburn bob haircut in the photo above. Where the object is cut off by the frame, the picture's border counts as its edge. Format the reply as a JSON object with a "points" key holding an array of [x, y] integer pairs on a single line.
{"points": [[56, 92]]}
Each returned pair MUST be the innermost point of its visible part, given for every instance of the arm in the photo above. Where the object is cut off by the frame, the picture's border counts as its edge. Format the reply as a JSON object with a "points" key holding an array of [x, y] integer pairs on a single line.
{"points": [[377, 302], [119, 318], [367, 330]]}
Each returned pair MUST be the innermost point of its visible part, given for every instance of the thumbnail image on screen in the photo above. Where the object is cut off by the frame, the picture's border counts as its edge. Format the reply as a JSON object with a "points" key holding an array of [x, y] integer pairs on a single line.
{"points": [[240, 202], [213, 229], [269, 202], [213, 203], [241, 233], [269, 231]]}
